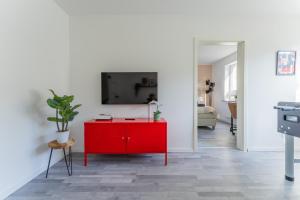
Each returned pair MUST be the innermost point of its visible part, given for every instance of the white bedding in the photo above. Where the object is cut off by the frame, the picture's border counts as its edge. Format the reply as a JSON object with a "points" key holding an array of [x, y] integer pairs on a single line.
{"points": [[206, 109]]}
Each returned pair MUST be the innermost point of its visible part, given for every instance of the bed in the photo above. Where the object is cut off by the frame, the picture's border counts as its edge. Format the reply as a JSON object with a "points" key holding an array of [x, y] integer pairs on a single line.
{"points": [[207, 116]]}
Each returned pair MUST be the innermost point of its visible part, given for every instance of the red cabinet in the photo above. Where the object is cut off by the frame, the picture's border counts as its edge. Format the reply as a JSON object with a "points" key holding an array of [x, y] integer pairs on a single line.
{"points": [[146, 138], [120, 136], [110, 137]]}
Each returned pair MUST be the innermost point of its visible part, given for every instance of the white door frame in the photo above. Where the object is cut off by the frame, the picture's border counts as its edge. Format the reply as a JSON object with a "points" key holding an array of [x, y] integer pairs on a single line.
{"points": [[241, 134]]}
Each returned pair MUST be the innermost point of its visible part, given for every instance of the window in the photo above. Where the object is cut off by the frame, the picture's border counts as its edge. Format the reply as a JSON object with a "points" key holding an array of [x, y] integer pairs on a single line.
{"points": [[230, 81]]}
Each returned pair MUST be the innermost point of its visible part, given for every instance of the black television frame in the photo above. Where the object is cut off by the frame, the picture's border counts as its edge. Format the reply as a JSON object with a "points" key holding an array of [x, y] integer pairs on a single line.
{"points": [[156, 86]]}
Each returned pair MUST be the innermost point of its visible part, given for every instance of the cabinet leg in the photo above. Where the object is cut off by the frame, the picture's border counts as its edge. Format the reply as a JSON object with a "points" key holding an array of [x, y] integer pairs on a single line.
{"points": [[166, 159], [85, 159]]}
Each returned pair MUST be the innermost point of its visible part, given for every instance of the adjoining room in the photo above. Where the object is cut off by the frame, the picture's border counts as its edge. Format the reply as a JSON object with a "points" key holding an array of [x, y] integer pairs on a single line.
{"points": [[217, 94]]}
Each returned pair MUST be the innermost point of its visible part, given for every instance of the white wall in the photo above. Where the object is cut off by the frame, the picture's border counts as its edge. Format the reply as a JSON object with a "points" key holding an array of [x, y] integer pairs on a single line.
{"points": [[164, 43], [34, 56], [125, 43], [218, 76]]}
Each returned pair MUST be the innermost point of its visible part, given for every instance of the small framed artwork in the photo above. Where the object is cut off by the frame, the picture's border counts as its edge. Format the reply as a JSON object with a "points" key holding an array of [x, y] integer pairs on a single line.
{"points": [[286, 63]]}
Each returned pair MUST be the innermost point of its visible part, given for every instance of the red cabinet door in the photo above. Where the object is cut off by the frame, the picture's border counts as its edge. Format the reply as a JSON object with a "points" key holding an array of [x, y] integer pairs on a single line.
{"points": [[146, 138], [104, 138]]}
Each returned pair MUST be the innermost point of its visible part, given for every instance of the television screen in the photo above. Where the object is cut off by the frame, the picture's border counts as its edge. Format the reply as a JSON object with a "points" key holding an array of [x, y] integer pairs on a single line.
{"points": [[128, 87]]}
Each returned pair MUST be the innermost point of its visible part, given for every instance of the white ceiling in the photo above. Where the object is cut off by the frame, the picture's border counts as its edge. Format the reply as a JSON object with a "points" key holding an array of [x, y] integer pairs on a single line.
{"points": [[193, 7], [208, 54]]}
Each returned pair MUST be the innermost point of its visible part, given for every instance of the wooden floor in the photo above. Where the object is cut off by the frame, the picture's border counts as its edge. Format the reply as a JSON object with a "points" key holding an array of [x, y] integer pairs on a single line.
{"points": [[210, 174]]}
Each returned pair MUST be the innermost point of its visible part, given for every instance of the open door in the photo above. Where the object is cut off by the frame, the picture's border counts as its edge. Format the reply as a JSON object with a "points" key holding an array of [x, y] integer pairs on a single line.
{"points": [[241, 139]]}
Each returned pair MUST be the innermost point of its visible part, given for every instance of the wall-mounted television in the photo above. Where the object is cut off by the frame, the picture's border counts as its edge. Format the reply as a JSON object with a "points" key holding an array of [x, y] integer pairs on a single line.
{"points": [[128, 87]]}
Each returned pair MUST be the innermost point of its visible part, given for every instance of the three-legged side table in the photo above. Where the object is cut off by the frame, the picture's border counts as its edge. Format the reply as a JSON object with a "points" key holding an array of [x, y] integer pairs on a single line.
{"points": [[55, 145]]}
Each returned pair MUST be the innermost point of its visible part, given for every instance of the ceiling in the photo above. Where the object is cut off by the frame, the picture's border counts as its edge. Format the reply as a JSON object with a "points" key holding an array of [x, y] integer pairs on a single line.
{"points": [[191, 7], [208, 54]]}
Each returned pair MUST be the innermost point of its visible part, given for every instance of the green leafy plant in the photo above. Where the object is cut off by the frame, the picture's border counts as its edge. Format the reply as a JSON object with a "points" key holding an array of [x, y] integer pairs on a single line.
{"points": [[65, 112], [157, 113]]}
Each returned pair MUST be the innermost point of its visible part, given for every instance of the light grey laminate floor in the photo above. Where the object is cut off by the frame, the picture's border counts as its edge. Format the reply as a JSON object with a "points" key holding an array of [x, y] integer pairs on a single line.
{"points": [[220, 137], [210, 174]]}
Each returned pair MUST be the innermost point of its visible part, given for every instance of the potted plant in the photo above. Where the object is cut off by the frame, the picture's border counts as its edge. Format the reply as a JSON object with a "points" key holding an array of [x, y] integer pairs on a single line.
{"points": [[156, 114], [64, 113]]}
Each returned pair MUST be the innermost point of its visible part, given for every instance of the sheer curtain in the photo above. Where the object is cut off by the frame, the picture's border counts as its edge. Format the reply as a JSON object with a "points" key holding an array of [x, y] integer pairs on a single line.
{"points": [[230, 81]]}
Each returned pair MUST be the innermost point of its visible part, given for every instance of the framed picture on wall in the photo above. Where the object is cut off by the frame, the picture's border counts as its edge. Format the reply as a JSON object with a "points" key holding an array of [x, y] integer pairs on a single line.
{"points": [[286, 63]]}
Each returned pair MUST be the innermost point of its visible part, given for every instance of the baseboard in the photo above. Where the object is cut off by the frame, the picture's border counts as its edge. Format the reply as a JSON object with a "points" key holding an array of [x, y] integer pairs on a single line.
{"points": [[265, 149], [5, 192], [77, 149], [186, 150], [180, 150], [172, 150]]}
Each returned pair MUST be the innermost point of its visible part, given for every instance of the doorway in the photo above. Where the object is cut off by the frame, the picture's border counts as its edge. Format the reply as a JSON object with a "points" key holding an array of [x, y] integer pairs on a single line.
{"points": [[219, 95]]}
